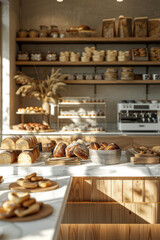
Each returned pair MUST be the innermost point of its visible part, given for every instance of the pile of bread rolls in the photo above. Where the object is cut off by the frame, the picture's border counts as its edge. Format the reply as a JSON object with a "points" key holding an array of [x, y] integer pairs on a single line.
{"points": [[75, 149], [103, 146], [19, 205], [17, 148], [33, 181]]}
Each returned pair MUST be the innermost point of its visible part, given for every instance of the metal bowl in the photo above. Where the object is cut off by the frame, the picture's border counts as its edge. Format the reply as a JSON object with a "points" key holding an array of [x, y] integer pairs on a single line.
{"points": [[105, 157]]}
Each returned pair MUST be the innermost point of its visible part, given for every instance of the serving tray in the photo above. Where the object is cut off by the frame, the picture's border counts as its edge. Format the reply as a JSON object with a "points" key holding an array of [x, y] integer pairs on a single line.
{"points": [[137, 158], [63, 161], [45, 211], [14, 186]]}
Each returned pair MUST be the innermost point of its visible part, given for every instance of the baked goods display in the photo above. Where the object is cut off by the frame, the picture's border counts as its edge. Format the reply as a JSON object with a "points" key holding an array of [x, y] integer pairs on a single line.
{"points": [[111, 74], [81, 114], [75, 149], [127, 73], [31, 127], [19, 142], [109, 28], [139, 54], [31, 110], [140, 27], [19, 149], [124, 26], [19, 205], [154, 27], [80, 31], [1, 179], [48, 146], [33, 183], [103, 146], [155, 54]]}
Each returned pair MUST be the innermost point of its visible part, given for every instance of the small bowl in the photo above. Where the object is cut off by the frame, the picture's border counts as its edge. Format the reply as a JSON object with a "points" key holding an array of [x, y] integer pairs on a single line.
{"points": [[105, 157]]}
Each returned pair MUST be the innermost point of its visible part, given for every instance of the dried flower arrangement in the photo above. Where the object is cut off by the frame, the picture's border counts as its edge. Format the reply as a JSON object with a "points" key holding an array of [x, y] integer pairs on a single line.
{"points": [[46, 90]]}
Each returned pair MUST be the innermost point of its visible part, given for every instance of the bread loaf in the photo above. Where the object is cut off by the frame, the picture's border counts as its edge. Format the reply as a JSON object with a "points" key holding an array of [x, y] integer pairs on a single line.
{"points": [[9, 143], [69, 150], [7, 157], [125, 27], [154, 27], [140, 27], [26, 158], [59, 150], [81, 151], [23, 143]]}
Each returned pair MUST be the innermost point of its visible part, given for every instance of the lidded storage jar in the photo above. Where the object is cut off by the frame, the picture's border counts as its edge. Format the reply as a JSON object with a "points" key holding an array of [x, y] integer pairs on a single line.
{"points": [[43, 31], [54, 32]]}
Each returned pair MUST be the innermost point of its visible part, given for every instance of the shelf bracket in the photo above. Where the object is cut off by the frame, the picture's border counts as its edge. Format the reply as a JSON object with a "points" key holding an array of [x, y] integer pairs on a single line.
{"points": [[147, 91]]}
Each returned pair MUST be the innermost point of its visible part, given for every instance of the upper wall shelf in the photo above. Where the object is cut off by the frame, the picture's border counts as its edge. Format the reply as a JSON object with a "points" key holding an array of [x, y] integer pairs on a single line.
{"points": [[114, 82], [89, 40], [58, 63]]}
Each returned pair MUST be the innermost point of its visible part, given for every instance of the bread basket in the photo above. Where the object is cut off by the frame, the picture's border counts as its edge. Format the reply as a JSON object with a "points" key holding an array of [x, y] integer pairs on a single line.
{"points": [[105, 157]]}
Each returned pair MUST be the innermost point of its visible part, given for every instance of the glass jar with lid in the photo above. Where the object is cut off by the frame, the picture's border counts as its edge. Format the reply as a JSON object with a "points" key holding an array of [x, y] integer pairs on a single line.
{"points": [[54, 32], [43, 31], [51, 56], [36, 56], [22, 33], [33, 33]]}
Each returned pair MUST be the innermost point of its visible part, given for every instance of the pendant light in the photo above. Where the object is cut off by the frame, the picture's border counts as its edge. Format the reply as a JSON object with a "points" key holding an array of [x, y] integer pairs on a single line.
{"points": [[119, 0], [59, 0]]}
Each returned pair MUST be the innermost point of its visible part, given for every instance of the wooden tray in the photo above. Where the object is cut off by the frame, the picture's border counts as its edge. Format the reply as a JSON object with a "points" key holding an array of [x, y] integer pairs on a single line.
{"points": [[14, 186], [45, 211], [14, 128], [63, 161], [136, 158]]}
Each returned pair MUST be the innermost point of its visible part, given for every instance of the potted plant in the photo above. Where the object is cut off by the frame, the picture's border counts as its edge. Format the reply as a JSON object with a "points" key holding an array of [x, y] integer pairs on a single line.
{"points": [[46, 90]]}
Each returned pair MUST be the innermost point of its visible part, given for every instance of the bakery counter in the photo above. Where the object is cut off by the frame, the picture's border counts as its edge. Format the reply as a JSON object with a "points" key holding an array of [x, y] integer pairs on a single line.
{"points": [[46, 228]]}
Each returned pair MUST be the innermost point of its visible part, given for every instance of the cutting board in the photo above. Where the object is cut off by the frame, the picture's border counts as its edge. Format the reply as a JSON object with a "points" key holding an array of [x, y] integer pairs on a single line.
{"points": [[14, 186], [63, 161], [137, 158], [45, 211]]}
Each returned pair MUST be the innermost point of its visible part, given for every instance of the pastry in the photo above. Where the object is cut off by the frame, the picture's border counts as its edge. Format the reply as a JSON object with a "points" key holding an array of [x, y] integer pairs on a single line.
{"points": [[20, 181], [22, 212], [29, 185], [28, 177], [5, 213], [18, 197], [10, 206], [29, 202], [35, 179], [59, 150], [81, 151], [44, 184]]}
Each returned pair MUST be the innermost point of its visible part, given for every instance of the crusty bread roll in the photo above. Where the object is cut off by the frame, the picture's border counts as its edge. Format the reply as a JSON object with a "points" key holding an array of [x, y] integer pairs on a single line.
{"points": [[7, 157], [156, 149], [94, 146], [23, 143], [59, 150], [69, 150], [26, 158], [81, 151], [9, 143]]}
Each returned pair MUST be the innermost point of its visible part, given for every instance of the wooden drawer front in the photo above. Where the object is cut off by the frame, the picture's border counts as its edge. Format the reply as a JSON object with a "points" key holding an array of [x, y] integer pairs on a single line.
{"points": [[123, 190], [109, 232]]}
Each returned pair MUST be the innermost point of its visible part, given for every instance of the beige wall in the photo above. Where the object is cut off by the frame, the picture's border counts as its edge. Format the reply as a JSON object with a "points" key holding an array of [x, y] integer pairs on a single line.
{"points": [[90, 12]]}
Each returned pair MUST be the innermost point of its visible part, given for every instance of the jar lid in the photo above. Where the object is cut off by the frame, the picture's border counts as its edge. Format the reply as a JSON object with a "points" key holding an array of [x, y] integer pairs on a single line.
{"points": [[33, 30], [22, 30], [43, 26]]}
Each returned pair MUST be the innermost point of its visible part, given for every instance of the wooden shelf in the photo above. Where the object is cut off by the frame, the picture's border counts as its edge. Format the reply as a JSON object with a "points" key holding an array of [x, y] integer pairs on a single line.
{"points": [[89, 40], [79, 103], [79, 117], [115, 82], [34, 113], [116, 63]]}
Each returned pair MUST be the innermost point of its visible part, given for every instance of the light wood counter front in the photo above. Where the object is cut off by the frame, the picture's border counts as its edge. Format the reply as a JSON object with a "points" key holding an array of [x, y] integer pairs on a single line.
{"points": [[119, 208]]}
